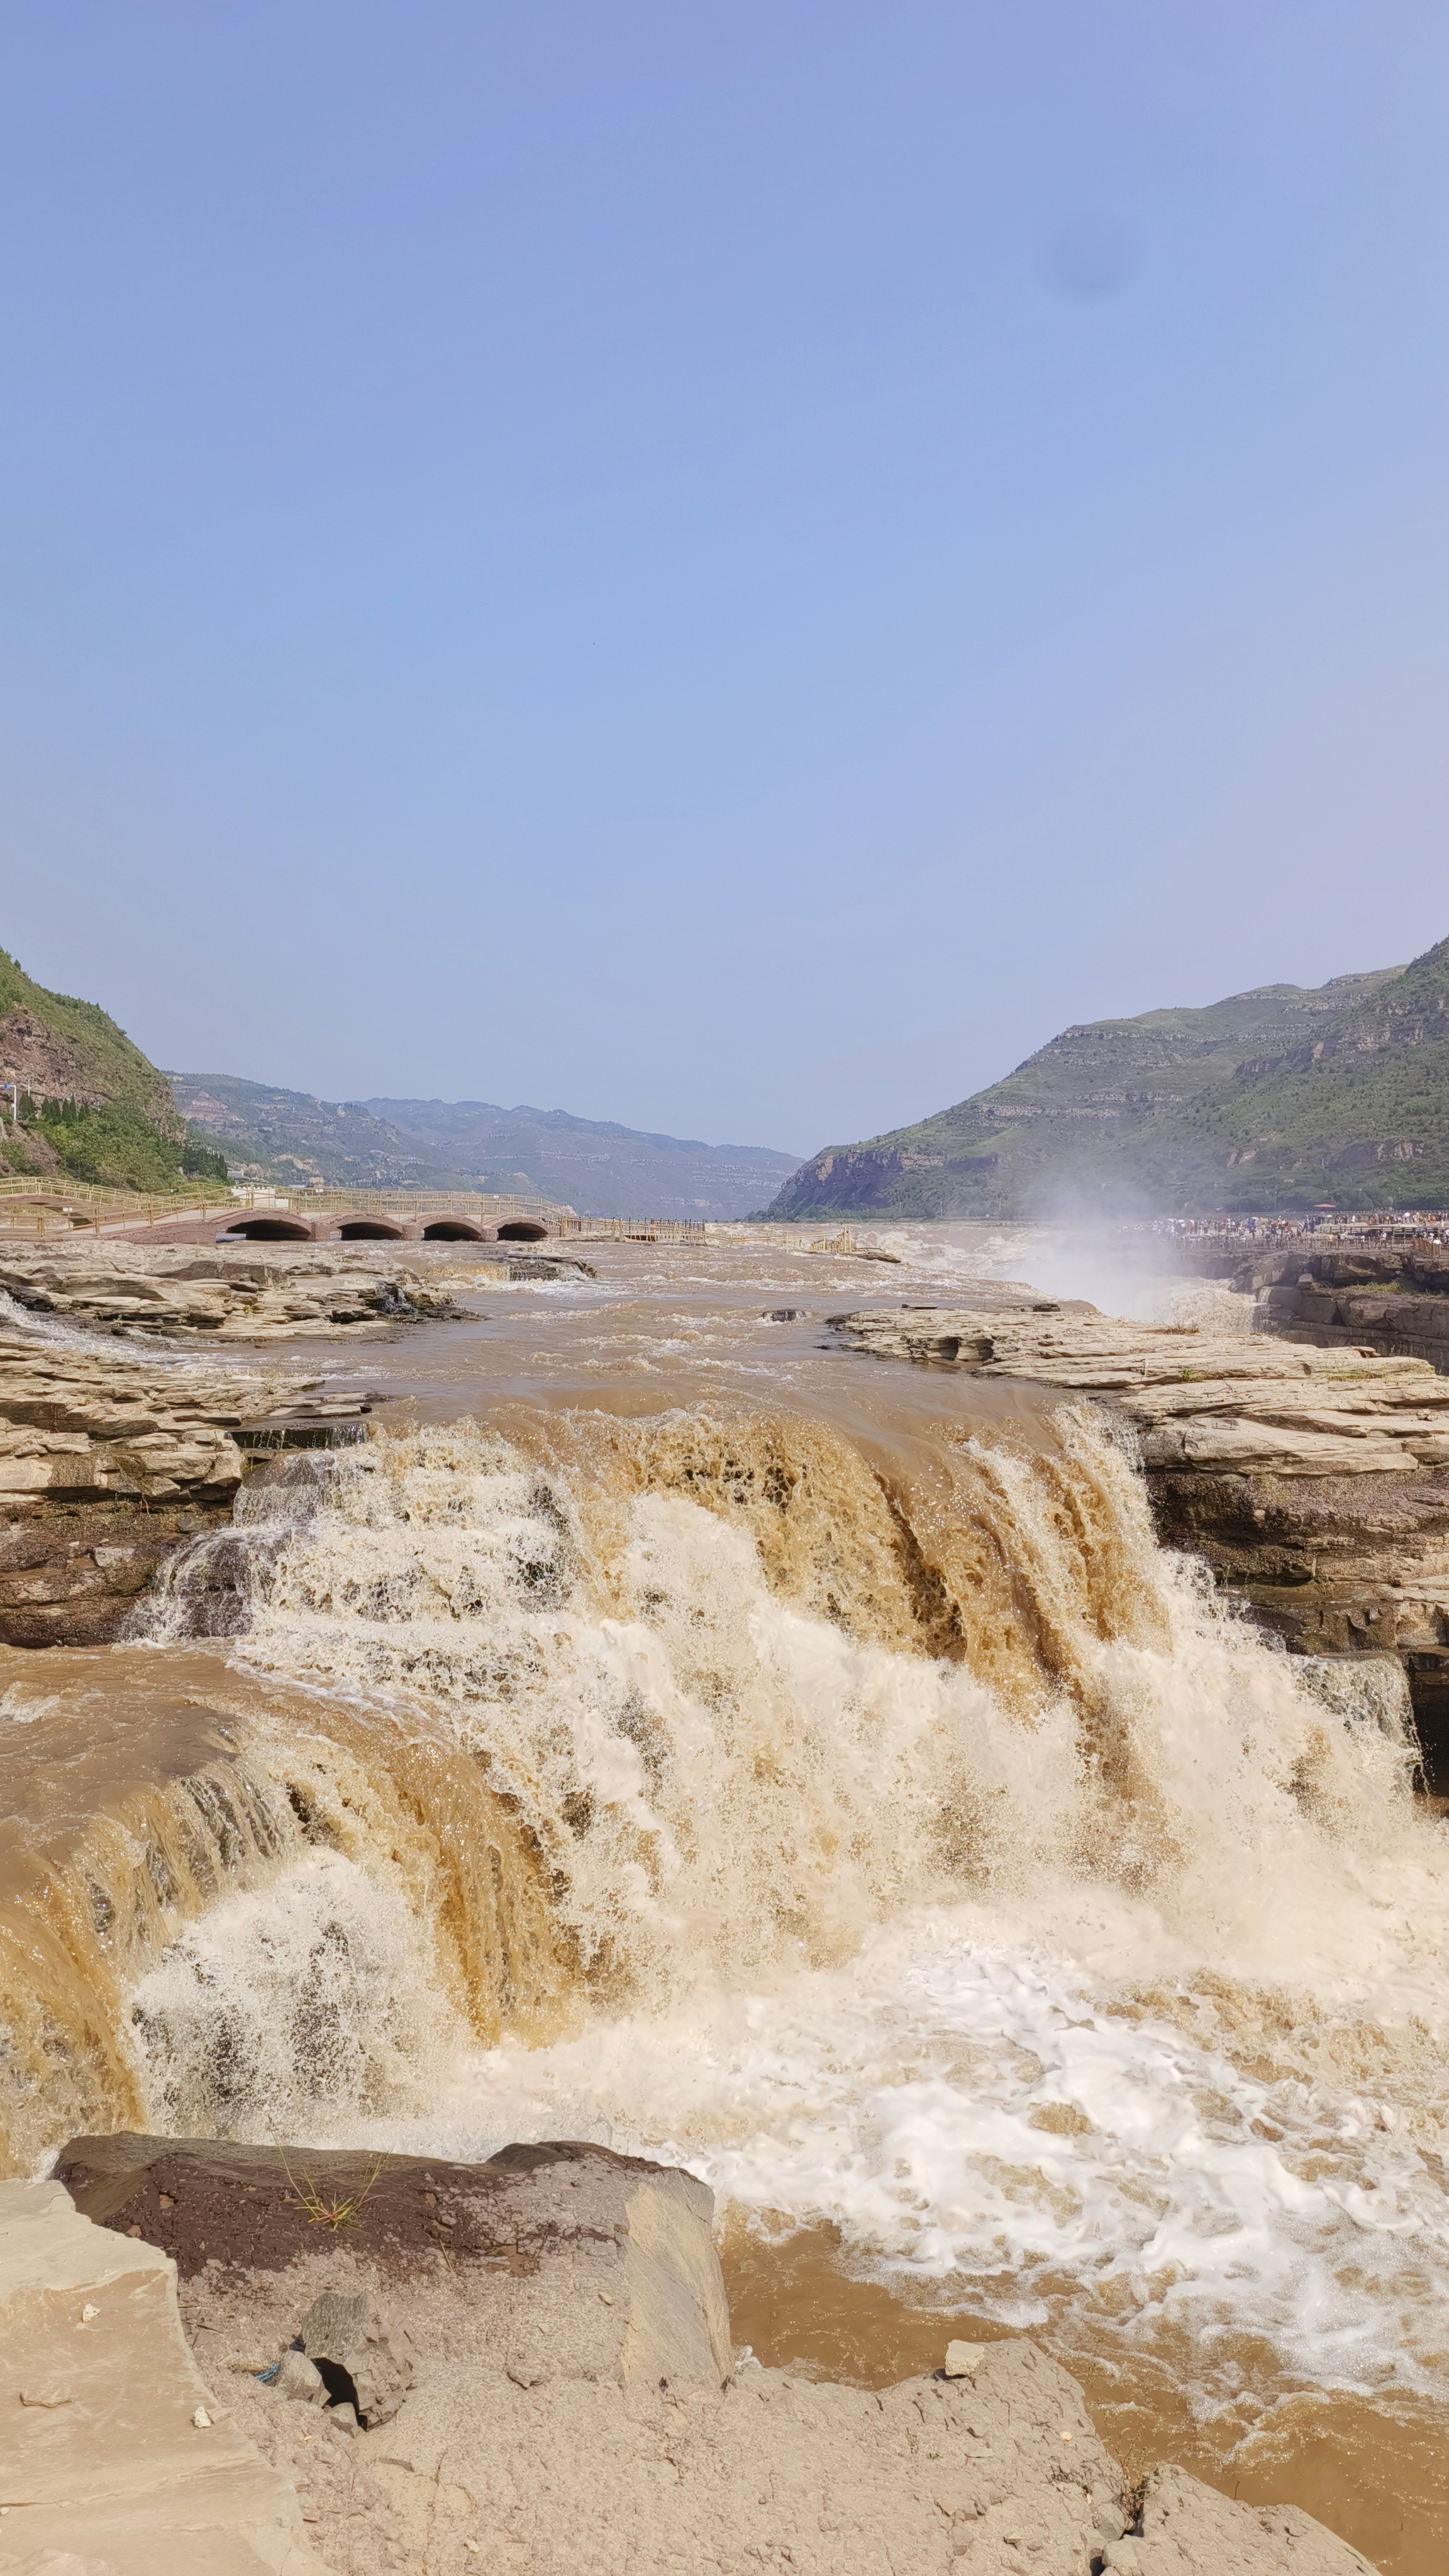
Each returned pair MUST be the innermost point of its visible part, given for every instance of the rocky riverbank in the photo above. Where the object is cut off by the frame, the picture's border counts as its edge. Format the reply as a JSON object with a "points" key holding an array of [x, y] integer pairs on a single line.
{"points": [[1396, 1303], [241, 1295], [1313, 1478], [393, 2364], [108, 1467]]}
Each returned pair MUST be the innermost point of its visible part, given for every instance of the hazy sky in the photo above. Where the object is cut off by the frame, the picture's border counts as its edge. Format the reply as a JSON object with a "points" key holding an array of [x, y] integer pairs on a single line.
{"points": [[732, 567]]}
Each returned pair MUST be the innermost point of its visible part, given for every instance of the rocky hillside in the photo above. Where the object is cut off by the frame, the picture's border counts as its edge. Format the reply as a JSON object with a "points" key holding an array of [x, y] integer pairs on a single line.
{"points": [[91, 1106], [1276, 1098], [589, 1164]]}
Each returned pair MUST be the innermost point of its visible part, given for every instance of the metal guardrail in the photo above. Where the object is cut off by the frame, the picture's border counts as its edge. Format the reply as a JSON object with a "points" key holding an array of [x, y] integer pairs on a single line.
{"points": [[631, 1229], [1426, 1226], [37, 1207]]}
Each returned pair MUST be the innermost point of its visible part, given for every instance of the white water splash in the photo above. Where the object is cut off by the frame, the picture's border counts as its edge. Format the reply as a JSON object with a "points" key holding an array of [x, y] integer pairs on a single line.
{"points": [[1138, 2043]]}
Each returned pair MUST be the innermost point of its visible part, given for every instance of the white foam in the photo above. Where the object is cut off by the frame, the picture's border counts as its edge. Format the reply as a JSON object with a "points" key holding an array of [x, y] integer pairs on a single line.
{"points": [[309, 1996], [860, 1923]]}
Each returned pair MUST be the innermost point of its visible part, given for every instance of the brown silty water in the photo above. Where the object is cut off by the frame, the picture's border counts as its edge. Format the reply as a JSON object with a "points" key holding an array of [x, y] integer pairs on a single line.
{"points": [[668, 1729]]}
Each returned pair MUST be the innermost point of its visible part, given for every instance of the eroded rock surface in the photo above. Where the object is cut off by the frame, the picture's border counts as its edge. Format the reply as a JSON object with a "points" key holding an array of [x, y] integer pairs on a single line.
{"points": [[1344, 1295], [106, 1468], [77, 1426], [1231, 1403], [569, 2250], [230, 1295], [1187, 2529]]}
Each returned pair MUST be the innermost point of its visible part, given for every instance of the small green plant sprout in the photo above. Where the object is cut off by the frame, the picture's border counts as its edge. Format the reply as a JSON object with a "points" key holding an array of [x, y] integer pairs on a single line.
{"points": [[340, 2209]]}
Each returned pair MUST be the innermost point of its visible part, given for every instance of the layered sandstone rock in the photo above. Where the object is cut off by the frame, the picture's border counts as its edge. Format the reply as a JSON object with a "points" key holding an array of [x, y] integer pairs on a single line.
{"points": [[1231, 1403], [229, 1294], [1341, 1299], [82, 1428], [107, 1468]]}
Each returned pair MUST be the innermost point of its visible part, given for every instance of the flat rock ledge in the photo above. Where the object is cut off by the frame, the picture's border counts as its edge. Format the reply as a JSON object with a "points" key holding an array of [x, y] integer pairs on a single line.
{"points": [[115, 2458], [524, 2365], [232, 1294], [1224, 1402]]}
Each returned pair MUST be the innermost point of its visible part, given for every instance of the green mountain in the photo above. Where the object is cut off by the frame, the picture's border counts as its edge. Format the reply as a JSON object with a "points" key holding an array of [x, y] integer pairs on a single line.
{"points": [[91, 1107], [1277, 1098]]}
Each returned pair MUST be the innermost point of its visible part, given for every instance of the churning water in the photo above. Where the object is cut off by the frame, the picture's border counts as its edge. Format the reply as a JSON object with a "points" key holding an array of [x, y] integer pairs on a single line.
{"points": [[873, 1816]]}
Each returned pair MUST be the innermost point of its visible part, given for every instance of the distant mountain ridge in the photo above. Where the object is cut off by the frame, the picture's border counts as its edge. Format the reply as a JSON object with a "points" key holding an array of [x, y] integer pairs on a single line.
{"points": [[592, 1165], [1278, 1097]]}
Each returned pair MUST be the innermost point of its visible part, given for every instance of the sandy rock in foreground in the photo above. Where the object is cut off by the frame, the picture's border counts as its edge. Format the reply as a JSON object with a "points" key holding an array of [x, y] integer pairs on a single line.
{"points": [[572, 2259], [104, 2469], [562, 2400], [772, 2471]]}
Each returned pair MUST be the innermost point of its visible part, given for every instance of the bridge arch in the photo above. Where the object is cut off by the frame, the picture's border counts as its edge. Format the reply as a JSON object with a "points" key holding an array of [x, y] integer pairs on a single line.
{"points": [[522, 1229], [277, 1228], [452, 1229], [369, 1229]]}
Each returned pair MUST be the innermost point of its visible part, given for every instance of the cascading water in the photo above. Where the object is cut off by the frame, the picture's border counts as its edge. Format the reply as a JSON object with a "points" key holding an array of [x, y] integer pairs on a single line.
{"points": [[932, 1858], [875, 1818]]}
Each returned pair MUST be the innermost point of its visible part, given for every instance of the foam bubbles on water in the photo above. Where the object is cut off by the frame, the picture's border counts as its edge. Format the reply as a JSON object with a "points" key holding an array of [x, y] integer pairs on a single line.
{"points": [[967, 2107]]}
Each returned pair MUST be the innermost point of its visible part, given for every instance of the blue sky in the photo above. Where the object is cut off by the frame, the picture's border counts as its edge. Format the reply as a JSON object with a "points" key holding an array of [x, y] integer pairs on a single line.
{"points": [[732, 568]]}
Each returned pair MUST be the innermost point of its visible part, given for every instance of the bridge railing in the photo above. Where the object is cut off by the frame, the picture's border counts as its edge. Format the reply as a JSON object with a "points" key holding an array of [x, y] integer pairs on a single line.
{"points": [[485, 1207], [30, 1205]]}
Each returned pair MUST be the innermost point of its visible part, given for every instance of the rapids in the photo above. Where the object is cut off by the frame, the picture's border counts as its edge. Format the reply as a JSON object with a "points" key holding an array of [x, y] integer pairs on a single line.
{"points": [[798, 1765]]}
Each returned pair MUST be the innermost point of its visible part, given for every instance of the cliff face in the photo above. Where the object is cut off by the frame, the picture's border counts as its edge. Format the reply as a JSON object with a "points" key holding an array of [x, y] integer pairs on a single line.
{"points": [[1275, 1098], [92, 1106]]}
